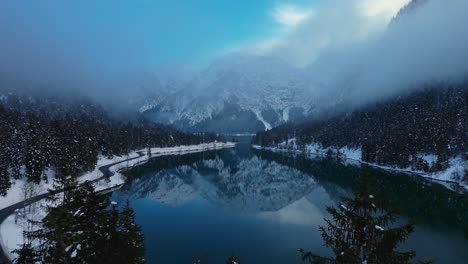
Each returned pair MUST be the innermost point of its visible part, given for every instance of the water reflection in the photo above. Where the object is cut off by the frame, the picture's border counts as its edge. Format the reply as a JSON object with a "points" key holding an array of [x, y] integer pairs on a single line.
{"points": [[309, 210], [263, 206], [251, 185]]}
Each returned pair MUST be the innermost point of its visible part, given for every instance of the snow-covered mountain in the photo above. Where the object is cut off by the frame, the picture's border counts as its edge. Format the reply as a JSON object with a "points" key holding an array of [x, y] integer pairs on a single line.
{"points": [[237, 93], [250, 93]]}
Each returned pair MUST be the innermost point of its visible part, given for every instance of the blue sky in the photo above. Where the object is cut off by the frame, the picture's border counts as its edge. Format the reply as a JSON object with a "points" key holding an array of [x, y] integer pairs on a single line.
{"points": [[150, 31]]}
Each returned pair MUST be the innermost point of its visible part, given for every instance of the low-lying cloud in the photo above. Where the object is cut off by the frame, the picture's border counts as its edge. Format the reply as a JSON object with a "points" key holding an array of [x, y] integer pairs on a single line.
{"points": [[311, 31], [291, 15], [347, 49], [356, 50], [55, 51]]}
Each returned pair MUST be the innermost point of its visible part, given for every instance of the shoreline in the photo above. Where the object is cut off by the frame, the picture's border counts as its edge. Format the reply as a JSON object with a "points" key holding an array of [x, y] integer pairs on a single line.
{"points": [[106, 177], [425, 175]]}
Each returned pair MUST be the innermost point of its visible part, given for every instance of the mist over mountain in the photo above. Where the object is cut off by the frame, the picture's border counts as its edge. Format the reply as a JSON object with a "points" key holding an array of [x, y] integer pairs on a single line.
{"points": [[362, 58], [248, 118], [426, 42], [236, 93]]}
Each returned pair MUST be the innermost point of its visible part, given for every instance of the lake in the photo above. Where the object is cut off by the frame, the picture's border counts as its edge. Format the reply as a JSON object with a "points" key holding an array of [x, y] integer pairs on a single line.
{"points": [[262, 207]]}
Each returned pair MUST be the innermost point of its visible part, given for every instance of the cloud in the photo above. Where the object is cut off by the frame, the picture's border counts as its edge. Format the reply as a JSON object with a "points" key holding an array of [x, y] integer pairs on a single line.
{"points": [[354, 52], [427, 45], [73, 56], [328, 24], [386, 8], [291, 15]]}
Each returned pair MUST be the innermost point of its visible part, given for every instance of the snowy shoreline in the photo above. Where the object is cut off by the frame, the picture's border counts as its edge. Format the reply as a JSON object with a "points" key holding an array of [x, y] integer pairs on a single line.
{"points": [[11, 233], [349, 154]]}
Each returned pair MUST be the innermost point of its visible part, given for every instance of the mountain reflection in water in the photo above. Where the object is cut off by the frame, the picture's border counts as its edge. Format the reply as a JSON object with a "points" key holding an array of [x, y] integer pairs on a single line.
{"points": [[264, 206]]}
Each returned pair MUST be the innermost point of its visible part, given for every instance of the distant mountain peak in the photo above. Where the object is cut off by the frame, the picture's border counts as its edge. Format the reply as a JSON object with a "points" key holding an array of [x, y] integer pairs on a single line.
{"points": [[236, 93]]}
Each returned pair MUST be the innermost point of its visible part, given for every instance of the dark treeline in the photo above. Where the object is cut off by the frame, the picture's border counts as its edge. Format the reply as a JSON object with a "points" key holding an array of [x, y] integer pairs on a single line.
{"points": [[68, 135], [429, 209], [85, 227], [393, 132]]}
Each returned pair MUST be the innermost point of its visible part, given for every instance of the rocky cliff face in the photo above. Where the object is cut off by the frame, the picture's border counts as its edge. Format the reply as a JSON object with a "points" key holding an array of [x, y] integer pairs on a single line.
{"points": [[238, 93]]}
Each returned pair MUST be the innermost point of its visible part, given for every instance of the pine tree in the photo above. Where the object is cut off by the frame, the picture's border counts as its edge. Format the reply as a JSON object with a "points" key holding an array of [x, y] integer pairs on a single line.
{"points": [[148, 152], [26, 255], [360, 232], [34, 158], [132, 241], [52, 144], [56, 233], [232, 260], [112, 250], [90, 225], [4, 161], [16, 154], [5, 183]]}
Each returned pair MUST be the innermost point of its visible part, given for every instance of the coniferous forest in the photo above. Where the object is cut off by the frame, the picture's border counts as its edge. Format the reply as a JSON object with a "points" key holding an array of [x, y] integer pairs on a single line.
{"points": [[82, 226], [68, 136], [394, 131], [207, 132]]}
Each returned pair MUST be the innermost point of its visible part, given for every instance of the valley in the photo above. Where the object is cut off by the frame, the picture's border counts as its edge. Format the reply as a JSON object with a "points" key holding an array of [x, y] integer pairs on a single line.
{"points": [[207, 132]]}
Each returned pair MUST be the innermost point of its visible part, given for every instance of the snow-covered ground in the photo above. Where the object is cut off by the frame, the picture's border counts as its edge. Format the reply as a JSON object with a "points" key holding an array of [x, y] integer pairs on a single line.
{"points": [[456, 164], [11, 231], [16, 192], [261, 119]]}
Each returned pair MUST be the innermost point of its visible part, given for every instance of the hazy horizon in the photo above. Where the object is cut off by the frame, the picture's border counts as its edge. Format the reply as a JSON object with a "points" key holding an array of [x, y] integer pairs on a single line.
{"points": [[115, 51]]}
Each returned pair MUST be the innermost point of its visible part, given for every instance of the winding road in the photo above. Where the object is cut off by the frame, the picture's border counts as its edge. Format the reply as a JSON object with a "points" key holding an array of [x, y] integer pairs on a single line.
{"points": [[7, 211], [106, 173]]}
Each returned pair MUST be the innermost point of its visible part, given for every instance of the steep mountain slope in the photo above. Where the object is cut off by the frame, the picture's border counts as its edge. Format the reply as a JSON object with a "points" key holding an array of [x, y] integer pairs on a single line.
{"points": [[238, 93], [248, 93], [401, 132]]}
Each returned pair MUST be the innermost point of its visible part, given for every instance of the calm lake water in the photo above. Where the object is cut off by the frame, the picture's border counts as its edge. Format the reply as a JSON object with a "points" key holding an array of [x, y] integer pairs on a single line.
{"points": [[262, 207]]}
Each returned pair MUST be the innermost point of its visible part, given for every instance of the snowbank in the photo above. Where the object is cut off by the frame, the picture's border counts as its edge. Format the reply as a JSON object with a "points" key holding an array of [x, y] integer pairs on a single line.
{"points": [[11, 229], [16, 192], [11, 233], [450, 175], [12, 236]]}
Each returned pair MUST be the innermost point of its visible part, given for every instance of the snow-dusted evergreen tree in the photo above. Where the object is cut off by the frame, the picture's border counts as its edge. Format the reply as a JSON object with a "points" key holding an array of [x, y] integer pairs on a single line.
{"points": [[57, 232], [52, 144], [16, 153], [68, 136], [34, 157], [26, 255], [69, 230], [111, 251], [4, 159], [232, 260], [148, 152], [132, 240], [81, 229], [361, 231], [394, 131], [4, 175], [90, 237]]}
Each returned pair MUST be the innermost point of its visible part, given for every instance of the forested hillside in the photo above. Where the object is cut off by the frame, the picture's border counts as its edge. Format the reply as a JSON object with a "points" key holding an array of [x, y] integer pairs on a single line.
{"points": [[392, 132], [67, 135]]}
